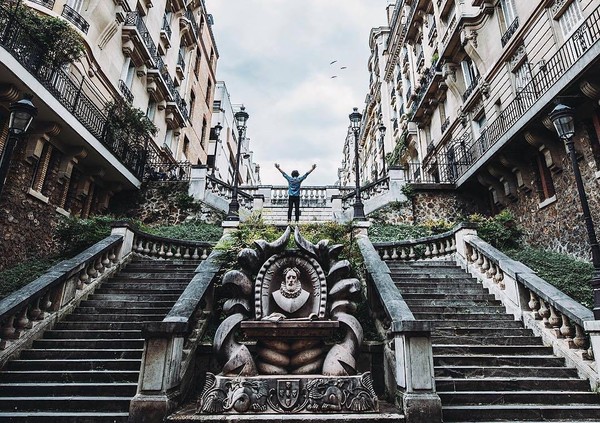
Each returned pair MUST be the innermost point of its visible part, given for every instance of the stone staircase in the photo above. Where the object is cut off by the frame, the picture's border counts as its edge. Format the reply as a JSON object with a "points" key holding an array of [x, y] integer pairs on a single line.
{"points": [[277, 215], [488, 367], [86, 368]]}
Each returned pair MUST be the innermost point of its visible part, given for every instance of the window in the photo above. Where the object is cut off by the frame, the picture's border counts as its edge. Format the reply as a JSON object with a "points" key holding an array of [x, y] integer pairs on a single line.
{"points": [[197, 62], [544, 182], [470, 73], [168, 139], [509, 12], [186, 146], [208, 92], [216, 106], [75, 5], [203, 133], [151, 110], [191, 105], [479, 133], [41, 169], [570, 19]]}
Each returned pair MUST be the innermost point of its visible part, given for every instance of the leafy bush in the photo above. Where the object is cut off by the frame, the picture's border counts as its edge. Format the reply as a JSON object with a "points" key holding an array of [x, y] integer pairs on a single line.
{"points": [[194, 231], [75, 234], [570, 275], [500, 230], [388, 233], [20, 275]]}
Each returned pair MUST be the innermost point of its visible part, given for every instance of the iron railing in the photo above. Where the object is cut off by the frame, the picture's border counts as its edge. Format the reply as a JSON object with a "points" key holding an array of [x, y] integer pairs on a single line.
{"points": [[166, 27], [135, 19], [445, 125], [127, 94], [438, 174], [190, 17], [46, 3], [76, 96], [163, 171], [567, 55], [181, 62], [429, 76], [75, 18], [510, 32], [471, 88]]}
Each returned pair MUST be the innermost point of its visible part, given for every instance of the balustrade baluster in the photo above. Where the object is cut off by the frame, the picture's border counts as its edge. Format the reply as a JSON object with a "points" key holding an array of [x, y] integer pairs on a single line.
{"points": [[485, 265], [204, 254], [195, 256], [394, 253], [411, 253], [140, 247], [153, 251], [403, 255], [386, 256], [442, 247], [169, 251], [499, 279], [98, 266], [186, 255], [579, 341], [566, 330], [427, 250], [435, 251], [22, 322], [534, 305], [106, 263], [469, 253], [83, 278], [554, 321], [178, 252], [8, 331], [91, 271], [46, 304], [112, 256], [544, 313], [34, 313]]}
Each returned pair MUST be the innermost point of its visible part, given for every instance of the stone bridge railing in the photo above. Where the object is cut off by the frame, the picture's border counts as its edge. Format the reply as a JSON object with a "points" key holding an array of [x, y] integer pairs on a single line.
{"points": [[562, 322], [339, 200]]}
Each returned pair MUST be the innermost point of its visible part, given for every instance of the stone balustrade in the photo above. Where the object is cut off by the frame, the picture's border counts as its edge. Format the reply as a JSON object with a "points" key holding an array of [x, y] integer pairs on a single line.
{"points": [[551, 314], [432, 247], [408, 356], [27, 312], [157, 247]]}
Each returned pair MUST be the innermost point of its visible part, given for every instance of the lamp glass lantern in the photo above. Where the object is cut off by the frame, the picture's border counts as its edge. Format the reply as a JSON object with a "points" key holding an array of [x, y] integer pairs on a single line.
{"points": [[355, 118], [218, 128], [21, 115], [564, 122], [241, 118]]}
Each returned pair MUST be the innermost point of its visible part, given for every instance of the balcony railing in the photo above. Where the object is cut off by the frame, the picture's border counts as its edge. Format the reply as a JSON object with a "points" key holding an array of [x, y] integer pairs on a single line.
{"points": [[181, 62], [509, 32], [125, 91], [166, 27], [565, 58], [46, 3], [190, 17], [445, 125], [75, 18], [135, 19], [429, 76], [72, 94], [471, 88], [163, 171]]}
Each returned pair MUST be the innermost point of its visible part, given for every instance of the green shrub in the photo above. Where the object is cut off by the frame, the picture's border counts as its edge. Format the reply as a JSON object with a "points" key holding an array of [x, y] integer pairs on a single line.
{"points": [[20, 275], [500, 230], [389, 233], [194, 231], [75, 234], [569, 275]]}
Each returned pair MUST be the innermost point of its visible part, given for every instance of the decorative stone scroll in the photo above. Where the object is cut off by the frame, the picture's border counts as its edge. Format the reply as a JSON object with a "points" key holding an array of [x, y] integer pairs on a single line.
{"points": [[290, 302]]}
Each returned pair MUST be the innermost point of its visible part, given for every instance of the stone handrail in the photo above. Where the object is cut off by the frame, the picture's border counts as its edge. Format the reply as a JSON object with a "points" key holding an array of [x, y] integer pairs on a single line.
{"points": [[550, 313], [168, 363], [27, 312], [408, 353]]}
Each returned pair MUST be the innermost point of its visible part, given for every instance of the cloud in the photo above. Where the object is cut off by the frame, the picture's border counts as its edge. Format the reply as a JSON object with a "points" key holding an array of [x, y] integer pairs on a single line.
{"points": [[275, 58]]}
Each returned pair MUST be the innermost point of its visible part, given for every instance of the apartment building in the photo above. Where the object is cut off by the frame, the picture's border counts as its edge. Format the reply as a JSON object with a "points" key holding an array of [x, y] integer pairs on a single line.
{"points": [[471, 86], [148, 65]]}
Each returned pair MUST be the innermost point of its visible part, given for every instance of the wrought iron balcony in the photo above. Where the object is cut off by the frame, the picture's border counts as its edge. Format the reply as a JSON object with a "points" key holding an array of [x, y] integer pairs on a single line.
{"points": [[135, 29], [190, 17], [180, 65], [426, 88], [125, 91], [471, 88], [445, 125], [166, 28], [432, 32], [565, 59], [75, 18], [46, 3], [509, 32]]}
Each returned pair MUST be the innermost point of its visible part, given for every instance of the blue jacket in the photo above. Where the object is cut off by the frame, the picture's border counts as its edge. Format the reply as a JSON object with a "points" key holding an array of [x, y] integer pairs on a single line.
{"points": [[294, 184]]}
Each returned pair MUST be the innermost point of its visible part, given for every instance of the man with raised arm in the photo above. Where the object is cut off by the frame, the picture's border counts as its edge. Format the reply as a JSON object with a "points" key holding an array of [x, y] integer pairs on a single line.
{"points": [[294, 182]]}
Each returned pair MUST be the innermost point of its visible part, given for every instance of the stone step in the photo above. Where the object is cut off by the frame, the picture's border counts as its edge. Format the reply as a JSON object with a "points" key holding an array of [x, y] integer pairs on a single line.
{"points": [[491, 340], [476, 333], [67, 403], [126, 304], [497, 360], [76, 317], [141, 293], [458, 309], [498, 316], [93, 334], [166, 268], [64, 417], [465, 302], [465, 291], [71, 376], [58, 389], [493, 350], [471, 324], [146, 284], [155, 296], [518, 397], [33, 354], [443, 264], [126, 344], [72, 364], [427, 280], [478, 296], [469, 372], [108, 309], [141, 261], [64, 325], [154, 275], [555, 385], [522, 412]]}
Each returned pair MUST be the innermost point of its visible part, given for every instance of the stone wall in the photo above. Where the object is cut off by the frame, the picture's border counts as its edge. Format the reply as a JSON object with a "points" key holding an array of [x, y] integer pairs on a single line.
{"points": [[429, 202], [163, 203]]}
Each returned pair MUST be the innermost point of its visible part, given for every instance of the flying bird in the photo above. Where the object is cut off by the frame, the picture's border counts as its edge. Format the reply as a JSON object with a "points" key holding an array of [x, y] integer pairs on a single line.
{"points": [[333, 62], [344, 67], [334, 76]]}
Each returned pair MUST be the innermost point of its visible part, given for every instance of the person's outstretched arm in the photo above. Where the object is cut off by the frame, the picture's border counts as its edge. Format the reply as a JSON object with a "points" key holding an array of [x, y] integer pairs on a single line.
{"points": [[279, 168]]}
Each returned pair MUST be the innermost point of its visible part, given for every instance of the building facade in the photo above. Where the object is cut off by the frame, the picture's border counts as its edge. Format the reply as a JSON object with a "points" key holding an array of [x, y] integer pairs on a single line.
{"points": [[150, 63], [471, 86]]}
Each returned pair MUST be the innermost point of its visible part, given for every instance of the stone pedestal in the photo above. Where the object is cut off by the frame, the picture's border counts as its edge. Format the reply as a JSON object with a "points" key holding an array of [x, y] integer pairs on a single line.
{"points": [[592, 327]]}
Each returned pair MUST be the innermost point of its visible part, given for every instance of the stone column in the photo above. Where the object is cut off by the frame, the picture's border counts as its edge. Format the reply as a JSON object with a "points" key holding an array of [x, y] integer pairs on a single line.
{"points": [[397, 182], [197, 187], [592, 328], [125, 230], [158, 393], [461, 247]]}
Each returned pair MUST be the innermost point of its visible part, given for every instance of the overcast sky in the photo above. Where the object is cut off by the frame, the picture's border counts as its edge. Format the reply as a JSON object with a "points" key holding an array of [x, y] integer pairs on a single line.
{"points": [[275, 59]]}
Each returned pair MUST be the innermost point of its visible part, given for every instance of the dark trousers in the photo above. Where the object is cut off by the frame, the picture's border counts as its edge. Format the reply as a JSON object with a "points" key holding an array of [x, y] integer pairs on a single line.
{"points": [[294, 201]]}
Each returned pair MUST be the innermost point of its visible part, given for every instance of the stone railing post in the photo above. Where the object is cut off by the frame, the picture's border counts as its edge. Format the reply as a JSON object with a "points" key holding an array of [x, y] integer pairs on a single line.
{"points": [[397, 182], [461, 247], [336, 208], [159, 372], [123, 229], [592, 327], [258, 204], [197, 187]]}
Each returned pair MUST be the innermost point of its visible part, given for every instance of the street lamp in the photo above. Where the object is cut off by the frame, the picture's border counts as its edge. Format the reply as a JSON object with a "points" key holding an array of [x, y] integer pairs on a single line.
{"points": [[217, 131], [359, 209], [241, 118], [563, 119], [382, 143], [21, 115]]}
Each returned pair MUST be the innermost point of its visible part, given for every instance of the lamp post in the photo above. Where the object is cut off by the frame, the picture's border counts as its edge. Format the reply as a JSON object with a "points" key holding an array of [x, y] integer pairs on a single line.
{"points": [[382, 143], [21, 115], [563, 119], [359, 209], [217, 131], [241, 118]]}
